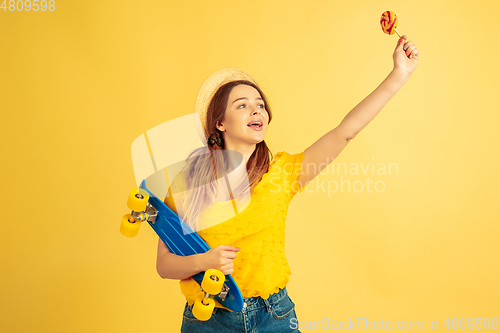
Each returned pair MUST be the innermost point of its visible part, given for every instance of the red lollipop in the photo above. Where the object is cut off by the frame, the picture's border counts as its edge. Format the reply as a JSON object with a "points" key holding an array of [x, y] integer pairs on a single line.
{"points": [[389, 22]]}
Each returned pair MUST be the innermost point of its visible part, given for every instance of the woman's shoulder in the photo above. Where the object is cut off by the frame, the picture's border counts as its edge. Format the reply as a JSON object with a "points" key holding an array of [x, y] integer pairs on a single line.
{"points": [[284, 158]]}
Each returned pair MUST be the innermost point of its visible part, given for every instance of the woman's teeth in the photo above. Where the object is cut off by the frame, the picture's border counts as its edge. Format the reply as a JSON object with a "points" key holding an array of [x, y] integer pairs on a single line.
{"points": [[256, 127]]}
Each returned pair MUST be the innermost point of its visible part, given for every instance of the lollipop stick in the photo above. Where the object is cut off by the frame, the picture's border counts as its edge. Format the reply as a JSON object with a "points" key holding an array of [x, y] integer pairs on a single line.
{"points": [[397, 32]]}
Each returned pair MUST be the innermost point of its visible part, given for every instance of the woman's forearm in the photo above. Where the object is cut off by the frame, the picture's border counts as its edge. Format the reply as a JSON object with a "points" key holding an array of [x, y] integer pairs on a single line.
{"points": [[171, 266], [369, 107]]}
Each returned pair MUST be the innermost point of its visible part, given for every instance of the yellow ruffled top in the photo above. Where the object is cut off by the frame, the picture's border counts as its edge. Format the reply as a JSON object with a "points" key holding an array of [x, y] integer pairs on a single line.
{"points": [[260, 268]]}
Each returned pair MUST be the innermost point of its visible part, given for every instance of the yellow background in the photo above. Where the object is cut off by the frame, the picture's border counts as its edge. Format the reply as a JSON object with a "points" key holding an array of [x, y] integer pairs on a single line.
{"points": [[79, 84]]}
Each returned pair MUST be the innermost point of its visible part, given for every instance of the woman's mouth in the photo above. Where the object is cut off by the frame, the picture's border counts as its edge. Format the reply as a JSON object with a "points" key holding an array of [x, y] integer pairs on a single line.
{"points": [[257, 127]]}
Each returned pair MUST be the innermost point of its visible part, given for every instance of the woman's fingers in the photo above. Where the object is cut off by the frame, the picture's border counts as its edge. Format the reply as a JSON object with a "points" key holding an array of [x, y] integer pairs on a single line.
{"points": [[228, 268], [226, 256], [230, 254], [412, 52], [229, 248], [407, 44], [410, 48], [223, 257]]}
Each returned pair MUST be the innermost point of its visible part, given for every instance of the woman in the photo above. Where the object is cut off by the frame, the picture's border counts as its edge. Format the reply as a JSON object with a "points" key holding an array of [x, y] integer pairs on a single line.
{"points": [[249, 243]]}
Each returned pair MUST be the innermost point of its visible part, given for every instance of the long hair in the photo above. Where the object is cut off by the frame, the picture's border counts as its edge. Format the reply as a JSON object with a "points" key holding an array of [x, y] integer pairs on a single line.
{"points": [[202, 170]]}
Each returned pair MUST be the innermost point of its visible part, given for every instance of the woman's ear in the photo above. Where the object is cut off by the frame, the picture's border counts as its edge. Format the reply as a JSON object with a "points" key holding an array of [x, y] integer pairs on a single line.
{"points": [[219, 126]]}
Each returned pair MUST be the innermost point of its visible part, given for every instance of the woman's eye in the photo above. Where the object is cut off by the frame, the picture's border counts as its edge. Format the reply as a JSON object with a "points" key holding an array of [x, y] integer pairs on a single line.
{"points": [[262, 106]]}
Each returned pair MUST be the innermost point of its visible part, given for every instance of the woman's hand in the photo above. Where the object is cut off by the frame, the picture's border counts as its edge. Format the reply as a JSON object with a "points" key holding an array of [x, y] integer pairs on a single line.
{"points": [[221, 258], [405, 56]]}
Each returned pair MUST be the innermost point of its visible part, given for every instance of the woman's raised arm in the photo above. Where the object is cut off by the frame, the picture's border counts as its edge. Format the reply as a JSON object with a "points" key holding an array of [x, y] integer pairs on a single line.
{"points": [[322, 152]]}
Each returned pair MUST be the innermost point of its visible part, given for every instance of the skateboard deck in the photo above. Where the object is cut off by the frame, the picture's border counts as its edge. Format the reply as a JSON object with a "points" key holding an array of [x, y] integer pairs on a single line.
{"points": [[182, 240]]}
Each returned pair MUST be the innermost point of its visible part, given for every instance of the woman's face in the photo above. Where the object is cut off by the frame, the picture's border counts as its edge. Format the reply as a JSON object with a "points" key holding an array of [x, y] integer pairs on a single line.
{"points": [[244, 107]]}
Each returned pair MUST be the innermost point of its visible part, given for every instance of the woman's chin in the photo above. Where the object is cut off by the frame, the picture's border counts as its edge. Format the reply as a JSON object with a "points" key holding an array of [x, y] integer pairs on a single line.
{"points": [[255, 140], [258, 138]]}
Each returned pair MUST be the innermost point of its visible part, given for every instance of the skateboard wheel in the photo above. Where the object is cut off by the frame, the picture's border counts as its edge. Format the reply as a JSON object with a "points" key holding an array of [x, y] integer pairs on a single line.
{"points": [[138, 199], [213, 281], [128, 228], [203, 311]]}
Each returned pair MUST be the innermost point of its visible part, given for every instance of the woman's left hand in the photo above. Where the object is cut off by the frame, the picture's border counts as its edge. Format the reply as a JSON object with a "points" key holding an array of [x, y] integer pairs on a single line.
{"points": [[405, 60]]}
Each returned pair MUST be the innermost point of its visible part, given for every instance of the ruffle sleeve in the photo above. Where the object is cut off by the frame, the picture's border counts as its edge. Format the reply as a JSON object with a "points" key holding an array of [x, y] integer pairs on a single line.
{"points": [[291, 166]]}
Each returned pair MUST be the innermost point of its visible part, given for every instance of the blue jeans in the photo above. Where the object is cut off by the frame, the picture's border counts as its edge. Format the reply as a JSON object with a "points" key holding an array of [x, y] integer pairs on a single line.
{"points": [[257, 316]]}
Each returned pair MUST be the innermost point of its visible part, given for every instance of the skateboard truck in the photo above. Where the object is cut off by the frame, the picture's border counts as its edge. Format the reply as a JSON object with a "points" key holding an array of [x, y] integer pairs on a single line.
{"points": [[223, 293], [149, 214]]}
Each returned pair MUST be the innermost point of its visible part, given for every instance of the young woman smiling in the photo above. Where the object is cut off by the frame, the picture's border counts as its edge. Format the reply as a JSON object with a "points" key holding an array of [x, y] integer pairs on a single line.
{"points": [[249, 244]]}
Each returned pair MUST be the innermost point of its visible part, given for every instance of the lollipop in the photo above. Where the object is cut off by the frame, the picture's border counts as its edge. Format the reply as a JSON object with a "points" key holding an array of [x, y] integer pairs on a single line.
{"points": [[389, 22]]}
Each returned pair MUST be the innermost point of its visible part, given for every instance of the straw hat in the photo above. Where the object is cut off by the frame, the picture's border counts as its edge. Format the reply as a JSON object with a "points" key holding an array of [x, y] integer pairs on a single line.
{"points": [[208, 90]]}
